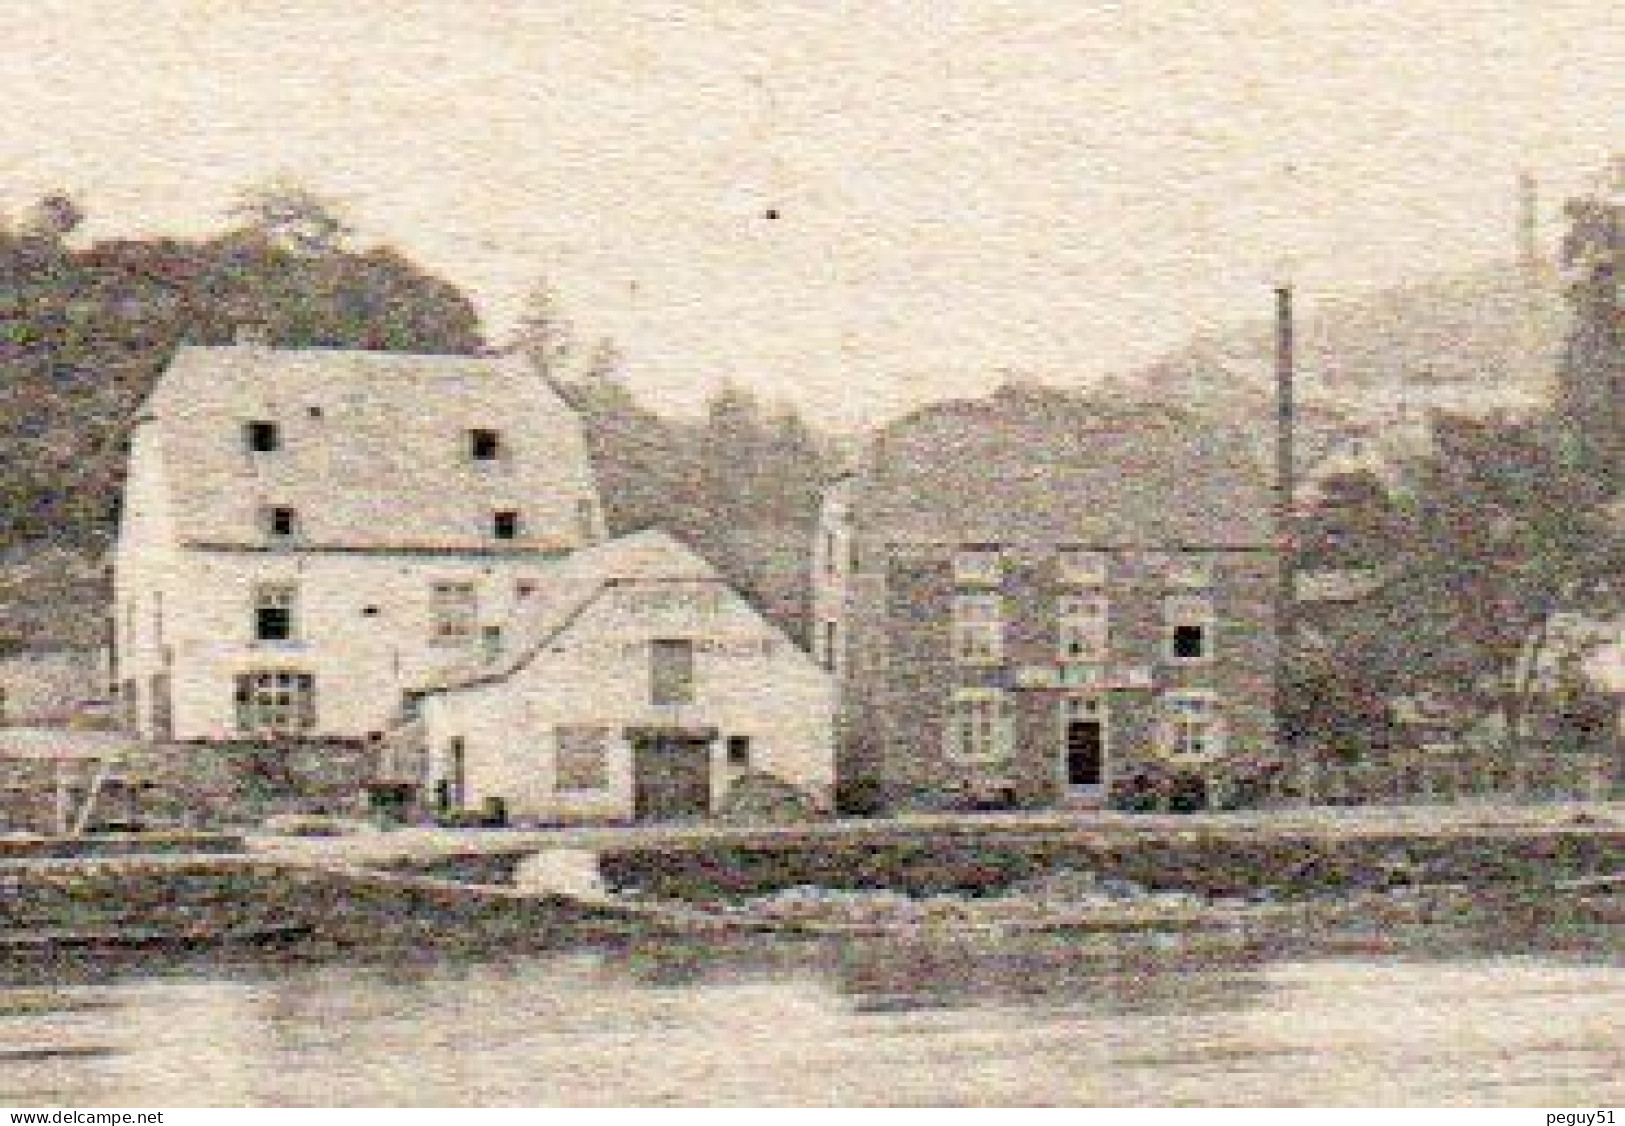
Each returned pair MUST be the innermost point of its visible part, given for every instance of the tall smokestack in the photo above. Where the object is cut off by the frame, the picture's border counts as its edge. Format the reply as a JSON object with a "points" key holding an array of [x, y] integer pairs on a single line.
{"points": [[1285, 488]]}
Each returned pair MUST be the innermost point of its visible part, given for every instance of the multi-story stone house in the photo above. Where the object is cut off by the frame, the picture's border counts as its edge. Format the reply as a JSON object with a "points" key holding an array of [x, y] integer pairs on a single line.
{"points": [[306, 533], [1024, 597]]}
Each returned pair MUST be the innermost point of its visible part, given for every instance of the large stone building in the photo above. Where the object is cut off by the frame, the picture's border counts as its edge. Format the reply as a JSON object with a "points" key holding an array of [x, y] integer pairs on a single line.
{"points": [[306, 533], [1025, 597], [635, 684]]}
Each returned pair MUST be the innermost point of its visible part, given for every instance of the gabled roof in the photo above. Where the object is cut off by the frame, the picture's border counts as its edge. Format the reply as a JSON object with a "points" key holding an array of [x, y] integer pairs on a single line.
{"points": [[375, 446], [572, 585], [1027, 466]]}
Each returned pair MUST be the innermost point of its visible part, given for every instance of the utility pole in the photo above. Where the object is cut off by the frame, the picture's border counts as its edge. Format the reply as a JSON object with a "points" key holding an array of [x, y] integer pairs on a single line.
{"points": [[1286, 590]]}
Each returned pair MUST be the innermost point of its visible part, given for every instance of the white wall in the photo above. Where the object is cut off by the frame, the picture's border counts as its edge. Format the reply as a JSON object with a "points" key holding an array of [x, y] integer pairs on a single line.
{"points": [[361, 662], [749, 680]]}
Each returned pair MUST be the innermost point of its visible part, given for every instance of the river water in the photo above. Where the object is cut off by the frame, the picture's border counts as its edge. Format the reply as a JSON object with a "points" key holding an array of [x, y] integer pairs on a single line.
{"points": [[1449, 1019]]}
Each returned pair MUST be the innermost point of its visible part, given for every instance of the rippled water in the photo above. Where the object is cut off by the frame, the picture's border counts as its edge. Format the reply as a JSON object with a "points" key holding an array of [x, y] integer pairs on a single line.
{"points": [[767, 1022]]}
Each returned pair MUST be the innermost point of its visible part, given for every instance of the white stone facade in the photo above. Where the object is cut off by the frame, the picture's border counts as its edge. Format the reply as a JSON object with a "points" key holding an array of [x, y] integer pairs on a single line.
{"points": [[299, 589], [565, 725]]}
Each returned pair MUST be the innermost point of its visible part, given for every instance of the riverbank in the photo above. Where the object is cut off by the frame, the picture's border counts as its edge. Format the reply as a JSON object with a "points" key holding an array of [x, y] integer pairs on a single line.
{"points": [[439, 886]]}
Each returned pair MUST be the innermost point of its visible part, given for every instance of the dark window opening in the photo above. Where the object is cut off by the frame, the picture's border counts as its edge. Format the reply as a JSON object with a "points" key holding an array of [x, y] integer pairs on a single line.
{"points": [[274, 613], [739, 750], [484, 445], [369, 611], [273, 623], [263, 437], [283, 521], [524, 588], [505, 524], [1190, 643]]}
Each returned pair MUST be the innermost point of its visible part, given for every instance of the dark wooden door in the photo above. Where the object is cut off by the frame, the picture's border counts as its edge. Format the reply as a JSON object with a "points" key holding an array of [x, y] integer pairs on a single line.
{"points": [[1085, 752], [671, 777]]}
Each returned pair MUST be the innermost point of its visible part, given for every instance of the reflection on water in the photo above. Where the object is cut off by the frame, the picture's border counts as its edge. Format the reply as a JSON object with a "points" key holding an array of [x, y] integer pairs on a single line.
{"points": [[1050, 1020]]}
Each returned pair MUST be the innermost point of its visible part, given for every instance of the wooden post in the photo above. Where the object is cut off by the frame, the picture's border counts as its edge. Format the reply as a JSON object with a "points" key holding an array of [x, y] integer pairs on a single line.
{"points": [[64, 812]]}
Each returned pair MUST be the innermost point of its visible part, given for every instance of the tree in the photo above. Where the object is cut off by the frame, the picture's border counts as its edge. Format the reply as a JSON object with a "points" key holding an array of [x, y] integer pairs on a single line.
{"points": [[544, 335], [292, 218], [731, 457], [1590, 405], [1502, 536]]}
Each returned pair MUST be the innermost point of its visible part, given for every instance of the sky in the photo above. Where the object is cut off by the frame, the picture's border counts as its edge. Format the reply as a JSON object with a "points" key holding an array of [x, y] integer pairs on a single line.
{"points": [[854, 206]]}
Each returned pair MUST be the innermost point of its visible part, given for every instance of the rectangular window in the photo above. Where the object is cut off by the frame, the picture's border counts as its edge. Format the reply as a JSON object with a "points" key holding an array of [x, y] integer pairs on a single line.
{"points": [[1191, 726], [1083, 628], [832, 553], [671, 671], [587, 520], [274, 612], [978, 629], [739, 751], [275, 702], [1188, 571], [484, 445], [832, 644], [281, 522], [262, 437], [454, 611], [1188, 620], [1075, 566], [583, 758], [980, 727], [978, 565], [491, 641], [524, 588], [505, 524]]}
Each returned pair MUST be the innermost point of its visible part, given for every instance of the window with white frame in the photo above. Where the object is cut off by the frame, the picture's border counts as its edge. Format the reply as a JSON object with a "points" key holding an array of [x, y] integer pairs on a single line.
{"points": [[978, 629], [453, 611], [1188, 623], [1192, 726], [275, 702], [275, 612], [582, 761], [979, 565], [1083, 627], [1187, 570], [1076, 566], [979, 725]]}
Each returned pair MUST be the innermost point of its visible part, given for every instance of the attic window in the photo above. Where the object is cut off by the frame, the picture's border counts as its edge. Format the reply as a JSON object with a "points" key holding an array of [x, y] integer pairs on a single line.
{"points": [[281, 522], [524, 588], [484, 445], [262, 437], [505, 524]]}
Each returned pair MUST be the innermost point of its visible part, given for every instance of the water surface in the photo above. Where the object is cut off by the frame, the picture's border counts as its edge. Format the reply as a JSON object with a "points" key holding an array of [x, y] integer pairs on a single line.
{"points": [[1451, 1020]]}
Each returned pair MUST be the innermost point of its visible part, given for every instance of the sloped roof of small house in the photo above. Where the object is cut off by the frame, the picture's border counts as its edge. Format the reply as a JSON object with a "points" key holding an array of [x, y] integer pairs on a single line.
{"points": [[1030, 466], [374, 444], [570, 586]]}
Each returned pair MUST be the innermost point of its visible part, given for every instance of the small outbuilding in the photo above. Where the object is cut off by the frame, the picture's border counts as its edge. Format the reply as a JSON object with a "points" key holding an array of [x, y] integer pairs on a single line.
{"points": [[634, 684]]}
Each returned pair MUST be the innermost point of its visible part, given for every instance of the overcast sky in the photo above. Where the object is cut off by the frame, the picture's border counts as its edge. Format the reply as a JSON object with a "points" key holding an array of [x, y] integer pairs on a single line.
{"points": [[1058, 187]]}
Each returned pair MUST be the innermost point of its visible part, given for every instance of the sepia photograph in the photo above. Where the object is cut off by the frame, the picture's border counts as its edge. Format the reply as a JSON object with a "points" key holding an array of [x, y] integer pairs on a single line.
{"points": [[794, 553]]}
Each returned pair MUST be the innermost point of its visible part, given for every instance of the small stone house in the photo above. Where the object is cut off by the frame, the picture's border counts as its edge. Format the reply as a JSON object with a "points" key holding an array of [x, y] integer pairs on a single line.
{"points": [[635, 684], [1026, 597]]}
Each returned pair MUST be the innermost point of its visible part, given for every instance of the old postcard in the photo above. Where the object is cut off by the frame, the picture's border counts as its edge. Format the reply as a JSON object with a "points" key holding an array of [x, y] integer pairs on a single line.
{"points": [[992, 553]]}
